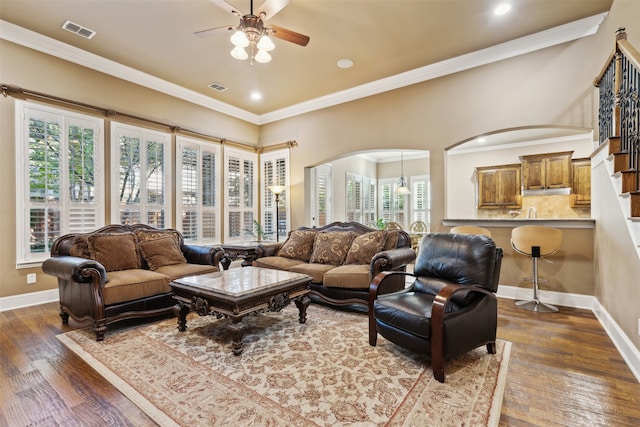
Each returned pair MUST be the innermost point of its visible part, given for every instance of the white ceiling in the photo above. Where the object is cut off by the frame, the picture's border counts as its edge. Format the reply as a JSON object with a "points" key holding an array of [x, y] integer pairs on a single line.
{"points": [[392, 43]]}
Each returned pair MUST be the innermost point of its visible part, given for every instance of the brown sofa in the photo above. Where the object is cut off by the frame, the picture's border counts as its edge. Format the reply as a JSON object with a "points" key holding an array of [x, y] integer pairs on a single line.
{"points": [[123, 271], [342, 258]]}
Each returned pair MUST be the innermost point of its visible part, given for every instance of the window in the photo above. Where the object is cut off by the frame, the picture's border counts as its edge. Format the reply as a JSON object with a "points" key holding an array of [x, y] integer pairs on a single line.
{"points": [[321, 195], [353, 198], [360, 199], [240, 207], [421, 199], [141, 176], [393, 207], [60, 185], [198, 190], [275, 171]]}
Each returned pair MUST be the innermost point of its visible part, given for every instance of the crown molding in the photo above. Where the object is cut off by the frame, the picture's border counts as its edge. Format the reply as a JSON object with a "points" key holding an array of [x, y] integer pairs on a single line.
{"points": [[554, 36]]}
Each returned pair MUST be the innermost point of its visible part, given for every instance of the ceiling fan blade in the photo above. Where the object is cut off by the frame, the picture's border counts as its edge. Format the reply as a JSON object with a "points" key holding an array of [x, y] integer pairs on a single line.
{"points": [[271, 7], [288, 35], [226, 7], [210, 32]]}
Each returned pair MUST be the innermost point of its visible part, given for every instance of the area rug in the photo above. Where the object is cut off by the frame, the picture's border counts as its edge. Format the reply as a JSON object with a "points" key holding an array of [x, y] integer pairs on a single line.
{"points": [[322, 373]]}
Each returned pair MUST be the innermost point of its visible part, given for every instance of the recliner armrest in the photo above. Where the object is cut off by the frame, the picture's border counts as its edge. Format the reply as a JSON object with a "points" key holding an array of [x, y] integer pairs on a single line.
{"points": [[76, 269]]}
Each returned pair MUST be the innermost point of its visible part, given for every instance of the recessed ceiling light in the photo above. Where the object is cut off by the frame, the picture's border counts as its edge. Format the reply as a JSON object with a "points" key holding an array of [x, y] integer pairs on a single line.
{"points": [[345, 63], [256, 96], [501, 9]]}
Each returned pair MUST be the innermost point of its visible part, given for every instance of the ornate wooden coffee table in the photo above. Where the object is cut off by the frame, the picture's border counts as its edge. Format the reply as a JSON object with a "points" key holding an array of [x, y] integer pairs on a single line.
{"points": [[239, 292]]}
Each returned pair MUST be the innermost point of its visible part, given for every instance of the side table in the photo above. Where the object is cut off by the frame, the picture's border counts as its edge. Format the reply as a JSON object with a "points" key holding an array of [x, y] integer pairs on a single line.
{"points": [[241, 250]]}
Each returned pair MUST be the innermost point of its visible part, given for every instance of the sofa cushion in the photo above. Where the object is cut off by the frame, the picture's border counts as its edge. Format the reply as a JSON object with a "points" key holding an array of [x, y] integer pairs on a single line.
{"points": [[161, 252], [277, 262], [133, 284], [331, 247], [351, 276], [316, 271], [364, 247], [299, 245], [115, 251], [177, 271]]}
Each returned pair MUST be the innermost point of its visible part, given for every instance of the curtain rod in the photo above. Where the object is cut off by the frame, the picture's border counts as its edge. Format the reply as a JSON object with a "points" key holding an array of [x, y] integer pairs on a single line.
{"points": [[12, 90]]}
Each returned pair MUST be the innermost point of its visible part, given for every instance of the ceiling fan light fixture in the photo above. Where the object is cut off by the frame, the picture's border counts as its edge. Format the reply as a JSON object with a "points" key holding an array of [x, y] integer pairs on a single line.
{"points": [[240, 39], [265, 43], [239, 53], [262, 57]]}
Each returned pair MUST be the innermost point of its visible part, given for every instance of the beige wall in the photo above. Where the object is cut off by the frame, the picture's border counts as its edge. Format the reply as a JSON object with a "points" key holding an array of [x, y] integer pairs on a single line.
{"points": [[548, 87]]}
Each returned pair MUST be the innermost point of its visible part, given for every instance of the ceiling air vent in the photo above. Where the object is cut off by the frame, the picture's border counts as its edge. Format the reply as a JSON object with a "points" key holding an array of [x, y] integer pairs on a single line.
{"points": [[78, 29], [218, 87]]}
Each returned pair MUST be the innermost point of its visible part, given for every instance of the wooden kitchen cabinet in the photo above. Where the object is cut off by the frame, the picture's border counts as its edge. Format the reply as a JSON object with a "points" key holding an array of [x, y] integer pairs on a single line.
{"points": [[546, 171], [581, 183], [499, 186]]}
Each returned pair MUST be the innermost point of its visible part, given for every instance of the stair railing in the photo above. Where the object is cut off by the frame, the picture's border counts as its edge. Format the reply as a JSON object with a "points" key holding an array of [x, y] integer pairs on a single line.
{"points": [[619, 114]]}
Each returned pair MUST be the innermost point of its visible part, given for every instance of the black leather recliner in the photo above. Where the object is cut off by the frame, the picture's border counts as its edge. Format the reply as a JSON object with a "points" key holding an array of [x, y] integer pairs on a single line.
{"points": [[450, 308]]}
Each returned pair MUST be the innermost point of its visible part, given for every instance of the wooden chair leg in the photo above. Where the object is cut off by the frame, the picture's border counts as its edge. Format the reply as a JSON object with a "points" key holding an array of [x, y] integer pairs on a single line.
{"points": [[437, 365], [373, 332]]}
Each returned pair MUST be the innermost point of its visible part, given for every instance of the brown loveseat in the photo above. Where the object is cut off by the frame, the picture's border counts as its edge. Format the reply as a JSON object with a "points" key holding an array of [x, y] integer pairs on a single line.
{"points": [[342, 258], [123, 271]]}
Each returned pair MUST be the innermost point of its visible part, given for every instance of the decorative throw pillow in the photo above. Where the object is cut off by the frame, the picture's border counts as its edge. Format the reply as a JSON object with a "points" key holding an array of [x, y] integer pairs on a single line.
{"points": [[364, 247], [115, 251], [160, 252], [299, 245], [392, 240], [332, 247], [80, 247], [143, 235]]}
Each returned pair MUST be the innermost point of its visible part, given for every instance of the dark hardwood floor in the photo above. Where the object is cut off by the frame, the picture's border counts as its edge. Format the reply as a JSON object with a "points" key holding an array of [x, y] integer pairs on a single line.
{"points": [[564, 371]]}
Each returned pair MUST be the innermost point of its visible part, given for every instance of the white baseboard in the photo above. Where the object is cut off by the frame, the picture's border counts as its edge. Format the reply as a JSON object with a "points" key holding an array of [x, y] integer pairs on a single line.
{"points": [[26, 300], [627, 349]]}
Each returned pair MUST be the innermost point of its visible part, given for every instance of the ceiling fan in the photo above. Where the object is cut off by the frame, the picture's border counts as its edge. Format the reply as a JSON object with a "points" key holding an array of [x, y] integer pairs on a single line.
{"points": [[252, 33]]}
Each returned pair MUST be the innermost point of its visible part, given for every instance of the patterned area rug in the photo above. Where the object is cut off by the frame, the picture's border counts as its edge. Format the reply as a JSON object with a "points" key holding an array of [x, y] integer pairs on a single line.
{"points": [[322, 373]]}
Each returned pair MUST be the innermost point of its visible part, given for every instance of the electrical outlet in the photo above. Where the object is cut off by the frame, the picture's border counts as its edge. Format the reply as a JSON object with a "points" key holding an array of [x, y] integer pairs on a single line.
{"points": [[31, 278]]}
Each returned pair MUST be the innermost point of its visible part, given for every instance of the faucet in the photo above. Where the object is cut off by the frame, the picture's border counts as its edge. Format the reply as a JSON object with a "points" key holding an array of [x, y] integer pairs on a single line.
{"points": [[535, 213]]}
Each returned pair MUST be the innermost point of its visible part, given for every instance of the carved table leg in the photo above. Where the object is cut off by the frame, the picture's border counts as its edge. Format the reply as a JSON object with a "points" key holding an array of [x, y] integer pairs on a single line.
{"points": [[237, 332], [302, 303], [181, 310], [225, 261]]}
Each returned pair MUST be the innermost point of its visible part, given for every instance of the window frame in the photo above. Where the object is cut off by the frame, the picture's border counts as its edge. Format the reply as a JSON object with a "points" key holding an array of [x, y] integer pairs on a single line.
{"points": [[200, 210], [242, 155], [144, 206], [68, 209], [270, 161]]}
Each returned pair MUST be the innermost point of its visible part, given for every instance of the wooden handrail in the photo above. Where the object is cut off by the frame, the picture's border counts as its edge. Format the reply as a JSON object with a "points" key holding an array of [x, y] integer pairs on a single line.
{"points": [[629, 52]]}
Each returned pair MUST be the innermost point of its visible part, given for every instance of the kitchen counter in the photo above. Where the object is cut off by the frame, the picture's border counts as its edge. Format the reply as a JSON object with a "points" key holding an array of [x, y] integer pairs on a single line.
{"points": [[517, 222]]}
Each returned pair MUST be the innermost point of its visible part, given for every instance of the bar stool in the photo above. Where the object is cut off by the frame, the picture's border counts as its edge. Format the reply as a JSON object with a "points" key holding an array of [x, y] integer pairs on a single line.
{"points": [[536, 241], [470, 229]]}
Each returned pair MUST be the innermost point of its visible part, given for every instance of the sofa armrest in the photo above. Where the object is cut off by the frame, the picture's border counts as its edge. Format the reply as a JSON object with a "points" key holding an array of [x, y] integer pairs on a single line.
{"points": [[204, 255], [74, 269], [268, 249], [393, 259]]}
